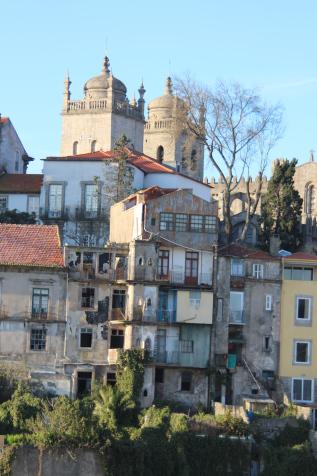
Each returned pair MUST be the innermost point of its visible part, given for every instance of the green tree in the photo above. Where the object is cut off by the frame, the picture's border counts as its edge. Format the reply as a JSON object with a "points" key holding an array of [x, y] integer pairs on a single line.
{"points": [[112, 406], [18, 218], [281, 208]]}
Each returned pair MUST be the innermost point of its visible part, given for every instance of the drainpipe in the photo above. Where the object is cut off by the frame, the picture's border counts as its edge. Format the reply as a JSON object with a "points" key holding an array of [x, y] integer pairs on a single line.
{"points": [[211, 382]]}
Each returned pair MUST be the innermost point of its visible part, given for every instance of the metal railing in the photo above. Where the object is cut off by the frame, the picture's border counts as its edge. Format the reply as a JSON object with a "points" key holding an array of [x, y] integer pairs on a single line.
{"points": [[178, 277], [163, 315], [166, 357], [236, 317]]}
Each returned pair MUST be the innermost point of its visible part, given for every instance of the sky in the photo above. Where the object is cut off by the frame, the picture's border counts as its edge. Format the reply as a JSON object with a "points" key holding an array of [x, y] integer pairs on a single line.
{"points": [[268, 45]]}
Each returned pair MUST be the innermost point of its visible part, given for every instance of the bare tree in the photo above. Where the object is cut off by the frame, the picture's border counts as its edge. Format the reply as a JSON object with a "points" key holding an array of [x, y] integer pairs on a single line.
{"points": [[238, 130]]}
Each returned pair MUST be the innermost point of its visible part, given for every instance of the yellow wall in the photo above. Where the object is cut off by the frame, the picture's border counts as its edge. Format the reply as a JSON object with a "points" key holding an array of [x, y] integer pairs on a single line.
{"points": [[290, 331], [191, 314]]}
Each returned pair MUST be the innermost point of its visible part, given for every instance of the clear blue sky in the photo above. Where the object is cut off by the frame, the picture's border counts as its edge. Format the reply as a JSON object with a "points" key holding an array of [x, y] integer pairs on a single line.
{"points": [[269, 44]]}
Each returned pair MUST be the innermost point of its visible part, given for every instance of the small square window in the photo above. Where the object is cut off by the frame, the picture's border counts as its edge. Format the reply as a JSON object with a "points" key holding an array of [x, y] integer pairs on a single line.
{"points": [[187, 346], [86, 337], [186, 381], [38, 340], [167, 222], [302, 352]]}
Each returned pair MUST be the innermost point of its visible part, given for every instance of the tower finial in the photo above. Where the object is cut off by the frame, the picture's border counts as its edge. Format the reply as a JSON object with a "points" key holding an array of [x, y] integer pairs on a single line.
{"points": [[169, 86], [106, 65], [141, 98]]}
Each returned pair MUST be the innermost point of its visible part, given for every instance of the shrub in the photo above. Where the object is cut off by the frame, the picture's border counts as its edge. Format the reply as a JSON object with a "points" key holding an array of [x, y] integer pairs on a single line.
{"points": [[230, 425], [295, 461], [293, 435], [112, 407]]}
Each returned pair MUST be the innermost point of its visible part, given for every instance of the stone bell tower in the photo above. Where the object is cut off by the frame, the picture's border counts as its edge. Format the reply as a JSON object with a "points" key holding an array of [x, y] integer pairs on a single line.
{"points": [[97, 120], [164, 140]]}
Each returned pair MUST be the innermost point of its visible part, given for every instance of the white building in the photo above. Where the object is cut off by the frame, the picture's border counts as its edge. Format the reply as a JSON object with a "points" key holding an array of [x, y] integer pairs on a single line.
{"points": [[13, 156], [20, 192]]}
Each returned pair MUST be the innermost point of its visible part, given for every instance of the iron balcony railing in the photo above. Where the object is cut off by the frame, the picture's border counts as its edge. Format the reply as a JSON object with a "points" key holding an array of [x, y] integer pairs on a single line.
{"points": [[163, 315], [236, 317], [179, 277]]}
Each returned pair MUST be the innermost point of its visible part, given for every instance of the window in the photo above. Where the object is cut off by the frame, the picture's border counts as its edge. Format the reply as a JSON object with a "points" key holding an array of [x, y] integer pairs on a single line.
{"points": [[196, 223], [163, 264], [89, 240], [160, 153], [191, 267], [33, 204], [187, 346], [167, 222], [298, 274], [210, 224], [302, 390], [83, 383], [194, 299], [86, 337], [152, 221], [258, 271], [268, 302], [118, 304], [236, 308], [181, 222], [104, 262], [55, 198], [117, 339], [3, 203], [159, 375], [93, 146], [186, 381], [111, 378], [303, 308], [75, 148], [237, 267], [302, 352], [38, 339], [267, 344], [87, 297], [91, 200], [193, 160], [40, 303]]}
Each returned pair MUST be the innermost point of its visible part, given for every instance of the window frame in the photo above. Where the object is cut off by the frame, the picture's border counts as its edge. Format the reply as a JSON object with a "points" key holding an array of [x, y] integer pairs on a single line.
{"points": [[86, 330], [39, 345], [91, 298], [194, 228], [179, 222], [210, 227], [241, 262], [169, 224], [300, 319], [268, 302], [302, 379], [258, 270], [186, 346], [163, 263], [187, 381], [91, 208], [57, 210], [309, 352], [44, 293]]}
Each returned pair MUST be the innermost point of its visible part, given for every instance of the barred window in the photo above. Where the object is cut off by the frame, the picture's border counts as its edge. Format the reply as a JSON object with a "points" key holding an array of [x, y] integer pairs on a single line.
{"points": [[196, 223], [167, 221], [210, 224], [38, 339], [181, 222], [187, 346]]}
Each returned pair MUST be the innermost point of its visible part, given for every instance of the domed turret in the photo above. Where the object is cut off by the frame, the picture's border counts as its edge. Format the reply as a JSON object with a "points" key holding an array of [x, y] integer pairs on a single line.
{"points": [[97, 87]]}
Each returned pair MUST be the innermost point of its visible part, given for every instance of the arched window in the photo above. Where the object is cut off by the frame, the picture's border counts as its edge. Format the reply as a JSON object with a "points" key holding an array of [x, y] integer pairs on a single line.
{"points": [[309, 202], [75, 148], [93, 146], [160, 153], [193, 160]]}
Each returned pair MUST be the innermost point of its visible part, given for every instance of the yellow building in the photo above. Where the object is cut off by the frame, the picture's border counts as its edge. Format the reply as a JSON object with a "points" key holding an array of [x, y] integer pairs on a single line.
{"points": [[298, 334]]}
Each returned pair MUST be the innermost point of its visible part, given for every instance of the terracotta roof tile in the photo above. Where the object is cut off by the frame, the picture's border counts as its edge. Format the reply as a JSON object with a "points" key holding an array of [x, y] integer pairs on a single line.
{"points": [[241, 251], [301, 256], [30, 245], [20, 183]]}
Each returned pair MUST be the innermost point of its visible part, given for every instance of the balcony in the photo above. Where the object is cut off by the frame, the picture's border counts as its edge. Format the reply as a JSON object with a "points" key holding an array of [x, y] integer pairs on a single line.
{"points": [[54, 215], [82, 214], [168, 316], [166, 357], [237, 317], [178, 277]]}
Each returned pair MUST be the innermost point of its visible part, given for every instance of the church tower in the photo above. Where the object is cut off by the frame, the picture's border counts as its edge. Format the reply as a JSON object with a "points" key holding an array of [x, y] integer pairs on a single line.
{"points": [[164, 140], [102, 116]]}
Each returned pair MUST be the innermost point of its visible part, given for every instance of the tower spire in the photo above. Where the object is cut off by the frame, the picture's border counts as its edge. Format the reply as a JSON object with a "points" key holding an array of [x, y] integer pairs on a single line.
{"points": [[141, 101], [169, 86], [106, 66], [67, 83]]}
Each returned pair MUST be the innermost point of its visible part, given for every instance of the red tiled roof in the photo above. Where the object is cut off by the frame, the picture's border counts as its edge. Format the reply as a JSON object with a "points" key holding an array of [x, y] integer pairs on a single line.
{"points": [[241, 251], [139, 160], [301, 256], [30, 245], [20, 183], [4, 120]]}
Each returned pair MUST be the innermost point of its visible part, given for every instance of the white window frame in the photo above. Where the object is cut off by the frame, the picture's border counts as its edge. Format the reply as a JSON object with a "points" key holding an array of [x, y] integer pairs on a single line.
{"points": [[308, 352], [309, 299], [268, 302], [55, 200], [241, 263], [258, 270], [312, 389], [91, 199]]}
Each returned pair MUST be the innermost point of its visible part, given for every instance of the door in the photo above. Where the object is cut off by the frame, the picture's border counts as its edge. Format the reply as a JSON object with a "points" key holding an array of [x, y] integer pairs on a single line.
{"points": [[163, 264], [161, 345], [191, 267]]}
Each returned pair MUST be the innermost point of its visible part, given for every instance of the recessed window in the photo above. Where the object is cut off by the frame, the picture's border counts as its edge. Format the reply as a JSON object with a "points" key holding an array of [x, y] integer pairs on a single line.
{"points": [[237, 267], [163, 264], [93, 146], [159, 375], [167, 222], [258, 271], [267, 347], [117, 339], [236, 308], [40, 303], [303, 308], [91, 200], [160, 153], [186, 381], [302, 390], [33, 204], [111, 378], [187, 346], [302, 352], [38, 340], [55, 200], [75, 148], [196, 223], [268, 302], [86, 337], [87, 297], [181, 222]]}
